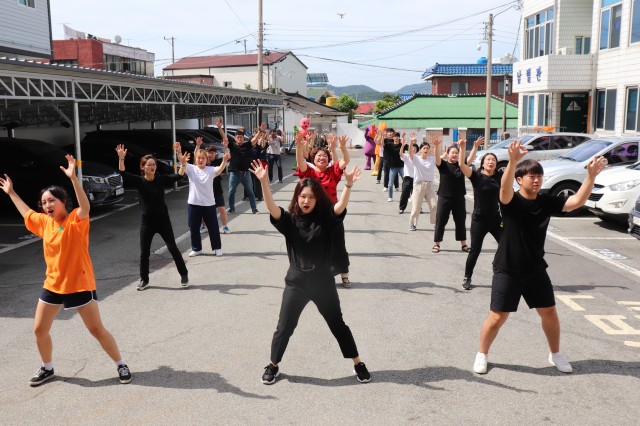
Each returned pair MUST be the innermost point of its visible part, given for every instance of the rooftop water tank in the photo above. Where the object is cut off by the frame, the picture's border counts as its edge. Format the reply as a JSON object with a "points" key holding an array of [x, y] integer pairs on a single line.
{"points": [[482, 61]]}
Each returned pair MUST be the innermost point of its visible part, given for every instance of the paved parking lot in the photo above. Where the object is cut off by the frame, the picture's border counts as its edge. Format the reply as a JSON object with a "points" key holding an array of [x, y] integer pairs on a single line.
{"points": [[197, 354]]}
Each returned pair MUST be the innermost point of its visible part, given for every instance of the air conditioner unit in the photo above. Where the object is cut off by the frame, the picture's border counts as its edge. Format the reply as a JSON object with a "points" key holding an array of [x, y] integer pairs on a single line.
{"points": [[562, 51]]}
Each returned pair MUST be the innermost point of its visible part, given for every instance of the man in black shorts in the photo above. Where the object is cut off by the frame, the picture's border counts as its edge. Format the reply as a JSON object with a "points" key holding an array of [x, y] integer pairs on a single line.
{"points": [[519, 268]]}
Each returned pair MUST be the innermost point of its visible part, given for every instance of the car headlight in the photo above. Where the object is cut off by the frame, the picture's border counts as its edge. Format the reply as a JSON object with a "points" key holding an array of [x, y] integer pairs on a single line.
{"points": [[625, 186], [93, 179]]}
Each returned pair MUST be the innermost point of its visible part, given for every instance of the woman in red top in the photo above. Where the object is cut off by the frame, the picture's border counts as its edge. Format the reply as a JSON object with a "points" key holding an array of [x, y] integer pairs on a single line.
{"points": [[70, 281], [328, 176]]}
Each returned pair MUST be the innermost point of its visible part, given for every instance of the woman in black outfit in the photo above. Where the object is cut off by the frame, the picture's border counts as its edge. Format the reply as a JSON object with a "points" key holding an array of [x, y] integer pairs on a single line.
{"points": [[155, 215], [308, 227], [451, 192], [486, 207]]}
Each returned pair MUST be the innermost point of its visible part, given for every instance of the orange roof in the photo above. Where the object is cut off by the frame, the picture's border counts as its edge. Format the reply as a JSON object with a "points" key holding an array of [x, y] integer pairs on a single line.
{"points": [[365, 108]]}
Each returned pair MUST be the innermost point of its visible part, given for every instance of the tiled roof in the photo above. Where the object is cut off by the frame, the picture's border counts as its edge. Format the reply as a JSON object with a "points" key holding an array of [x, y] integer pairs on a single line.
{"points": [[466, 69], [219, 61], [365, 108]]}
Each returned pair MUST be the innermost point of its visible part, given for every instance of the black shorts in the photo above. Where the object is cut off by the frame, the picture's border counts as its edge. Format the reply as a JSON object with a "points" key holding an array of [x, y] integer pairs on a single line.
{"points": [[217, 193], [70, 301], [535, 287]]}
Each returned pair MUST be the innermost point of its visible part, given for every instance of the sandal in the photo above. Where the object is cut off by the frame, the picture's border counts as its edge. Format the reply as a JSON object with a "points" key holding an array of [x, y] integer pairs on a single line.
{"points": [[345, 282], [436, 249], [465, 248]]}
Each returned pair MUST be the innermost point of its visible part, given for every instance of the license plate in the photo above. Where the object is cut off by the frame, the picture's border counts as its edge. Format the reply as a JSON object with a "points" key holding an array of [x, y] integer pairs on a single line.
{"points": [[119, 191], [636, 221], [590, 203]]}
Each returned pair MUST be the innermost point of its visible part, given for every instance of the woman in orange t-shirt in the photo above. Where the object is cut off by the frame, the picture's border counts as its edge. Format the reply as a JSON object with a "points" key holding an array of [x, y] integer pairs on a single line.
{"points": [[70, 281]]}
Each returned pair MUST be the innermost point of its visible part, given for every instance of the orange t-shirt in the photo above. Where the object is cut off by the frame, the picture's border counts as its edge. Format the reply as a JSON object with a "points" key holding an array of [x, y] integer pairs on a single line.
{"points": [[66, 251]]}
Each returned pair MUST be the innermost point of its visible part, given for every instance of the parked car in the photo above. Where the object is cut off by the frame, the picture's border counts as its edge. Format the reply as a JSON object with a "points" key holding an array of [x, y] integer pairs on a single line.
{"points": [[104, 151], [565, 174], [634, 220], [614, 192], [33, 165], [540, 146]]}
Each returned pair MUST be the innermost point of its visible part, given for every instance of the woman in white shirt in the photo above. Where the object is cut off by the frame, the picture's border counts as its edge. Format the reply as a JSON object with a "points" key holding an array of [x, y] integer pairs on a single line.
{"points": [[424, 165]]}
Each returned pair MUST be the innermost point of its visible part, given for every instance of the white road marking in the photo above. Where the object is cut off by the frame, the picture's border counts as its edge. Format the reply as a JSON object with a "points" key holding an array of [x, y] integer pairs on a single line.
{"points": [[632, 343], [612, 324], [568, 300], [633, 306], [600, 238], [587, 250]]}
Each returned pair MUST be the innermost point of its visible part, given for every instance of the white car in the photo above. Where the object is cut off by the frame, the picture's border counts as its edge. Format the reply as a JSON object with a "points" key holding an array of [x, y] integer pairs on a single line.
{"points": [[565, 174], [540, 146], [615, 192]]}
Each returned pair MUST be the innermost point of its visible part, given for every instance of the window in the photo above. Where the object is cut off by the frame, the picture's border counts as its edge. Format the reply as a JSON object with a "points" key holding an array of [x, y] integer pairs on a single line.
{"points": [[606, 109], [610, 23], [631, 114], [635, 21], [543, 110], [624, 153], [583, 45], [539, 35], [28, 3], [459, 88], [501, 88], [561, 142], [541, 143], [528, 109]]}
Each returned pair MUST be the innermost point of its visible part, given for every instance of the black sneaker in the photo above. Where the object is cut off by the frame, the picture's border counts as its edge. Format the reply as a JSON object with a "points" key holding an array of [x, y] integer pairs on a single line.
{"points": [[362, 374], [42, 375], [124, 373], [184, 280], [142, 285], [466, 283], [270, 374]]}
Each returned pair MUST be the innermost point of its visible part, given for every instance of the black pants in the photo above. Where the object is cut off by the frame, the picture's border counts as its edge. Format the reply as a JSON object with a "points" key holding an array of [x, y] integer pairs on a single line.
{"points": [[271, 158], [150, 227], [407, 189], [198, 214], [447, 205], [479, 229], [380, 168], [319, 288], [339, 256]]}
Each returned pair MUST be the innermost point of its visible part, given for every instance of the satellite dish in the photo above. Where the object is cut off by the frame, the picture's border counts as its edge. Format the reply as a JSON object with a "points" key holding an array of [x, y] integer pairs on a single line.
{"points": [[118, 39], [341, 14]]}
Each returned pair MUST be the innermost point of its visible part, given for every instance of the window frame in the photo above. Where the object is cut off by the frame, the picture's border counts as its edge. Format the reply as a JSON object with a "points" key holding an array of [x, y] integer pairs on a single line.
{"points": [[539, 32], [634, 4], [610, 8], [465, 85], [28, 3], [608, 119], [627, 104]]}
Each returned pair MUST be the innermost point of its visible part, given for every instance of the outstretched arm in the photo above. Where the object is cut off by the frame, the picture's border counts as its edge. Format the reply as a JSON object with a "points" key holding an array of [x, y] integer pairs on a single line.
{"points": [[222, 165], [260, 172], [83, 201], [223, 135], [516, 152], [472, 155], [345, 153], [122, 154], [578, 199], [350, 178], [300, 154], [436, 143], [466, 170], [7, 186]]}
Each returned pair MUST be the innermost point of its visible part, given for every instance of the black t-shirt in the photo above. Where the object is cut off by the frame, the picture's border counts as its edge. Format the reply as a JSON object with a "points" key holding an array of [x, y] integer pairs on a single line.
{"points": [[486, 192], [394, 155], [241, 156], [309, 241], [451, 180], [521, 248], [386, 151], [217, 181], [151, 192]]}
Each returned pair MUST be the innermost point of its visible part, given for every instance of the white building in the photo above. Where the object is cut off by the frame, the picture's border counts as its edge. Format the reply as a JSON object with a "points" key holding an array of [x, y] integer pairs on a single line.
{"points": [[25, 29], [579, 68], [282, 70]]}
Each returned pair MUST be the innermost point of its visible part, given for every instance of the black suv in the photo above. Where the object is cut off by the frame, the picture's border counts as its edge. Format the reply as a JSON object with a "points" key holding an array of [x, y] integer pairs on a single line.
{"points": [[33, 165]]}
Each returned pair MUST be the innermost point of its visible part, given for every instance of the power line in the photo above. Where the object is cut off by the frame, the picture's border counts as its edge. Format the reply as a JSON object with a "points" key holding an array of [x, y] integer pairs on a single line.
{"points": [[359, 63]]}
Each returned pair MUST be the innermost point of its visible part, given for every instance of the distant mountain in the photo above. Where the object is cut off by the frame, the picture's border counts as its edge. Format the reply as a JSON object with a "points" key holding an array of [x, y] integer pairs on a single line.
{"points": [[363, 93], [415, 88]]}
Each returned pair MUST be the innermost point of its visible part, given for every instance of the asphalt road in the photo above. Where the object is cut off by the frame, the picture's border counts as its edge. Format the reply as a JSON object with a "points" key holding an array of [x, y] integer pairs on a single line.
{"points": [[197, 354]]}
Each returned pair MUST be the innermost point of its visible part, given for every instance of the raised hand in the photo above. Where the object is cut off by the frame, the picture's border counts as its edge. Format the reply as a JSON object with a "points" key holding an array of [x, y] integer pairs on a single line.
{"points": [[263, 126], [436, 141], [6, 184], [198, 142], [343, 141], [227, 156], [462, 145], [479, 142], [353, 175], [219, 123], [596, 166], [122, 152], [412, 137], [70, 170], [300, 139], [259, 171], [184, 159], [516, 151]]}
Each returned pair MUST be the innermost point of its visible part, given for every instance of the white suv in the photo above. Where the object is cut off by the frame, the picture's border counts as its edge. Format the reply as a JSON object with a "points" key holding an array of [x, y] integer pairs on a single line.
{"points": [[541, 146]]}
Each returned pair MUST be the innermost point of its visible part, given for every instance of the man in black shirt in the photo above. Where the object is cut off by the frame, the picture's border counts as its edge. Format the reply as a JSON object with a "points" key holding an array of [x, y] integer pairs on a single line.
{"points": [[519, 268]]}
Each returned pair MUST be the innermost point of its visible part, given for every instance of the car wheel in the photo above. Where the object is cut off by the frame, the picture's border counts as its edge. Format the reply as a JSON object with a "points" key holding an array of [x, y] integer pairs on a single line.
{"points": [[567, 189], [501, 166]]}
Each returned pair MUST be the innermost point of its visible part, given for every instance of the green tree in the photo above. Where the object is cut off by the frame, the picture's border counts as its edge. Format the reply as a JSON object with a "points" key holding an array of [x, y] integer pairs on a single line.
{"points": [[347, 104], [387, 101]]}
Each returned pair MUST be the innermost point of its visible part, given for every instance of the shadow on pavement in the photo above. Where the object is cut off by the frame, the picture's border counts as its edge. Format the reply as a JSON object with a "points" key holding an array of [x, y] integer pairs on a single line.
{"points": [[167, 377], [402, 286], [582, 367], [229, 289]]}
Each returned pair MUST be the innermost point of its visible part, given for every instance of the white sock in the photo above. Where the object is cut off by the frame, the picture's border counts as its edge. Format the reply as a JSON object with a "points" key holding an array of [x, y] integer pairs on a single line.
{"points": [[121, 362], [48, 365]]}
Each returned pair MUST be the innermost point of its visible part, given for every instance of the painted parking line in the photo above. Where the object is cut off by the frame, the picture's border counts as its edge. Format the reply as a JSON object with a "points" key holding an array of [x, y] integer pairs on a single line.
{"points": [[601, 238]]}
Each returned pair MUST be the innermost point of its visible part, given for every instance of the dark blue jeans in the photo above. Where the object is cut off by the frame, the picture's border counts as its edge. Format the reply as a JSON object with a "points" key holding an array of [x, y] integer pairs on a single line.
{"points": [[244, 178], [197, 214], [271, 158]]}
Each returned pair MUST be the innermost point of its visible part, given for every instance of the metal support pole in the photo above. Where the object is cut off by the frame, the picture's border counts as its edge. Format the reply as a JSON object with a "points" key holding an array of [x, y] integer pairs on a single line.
{"points": [[260, 40], [173, 139], [224, 118], [76, 131], [487, 123], [504, 105]]}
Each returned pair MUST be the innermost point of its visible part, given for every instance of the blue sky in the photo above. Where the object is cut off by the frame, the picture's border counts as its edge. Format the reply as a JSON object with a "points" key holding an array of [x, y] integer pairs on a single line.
{"points": [[369, 33]]}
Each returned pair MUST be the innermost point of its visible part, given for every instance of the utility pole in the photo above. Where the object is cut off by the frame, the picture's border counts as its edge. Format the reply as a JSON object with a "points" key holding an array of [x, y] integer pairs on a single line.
{"points": [[260, 40], [505, 88], [173, 53], [487, 124], [243, 41]]}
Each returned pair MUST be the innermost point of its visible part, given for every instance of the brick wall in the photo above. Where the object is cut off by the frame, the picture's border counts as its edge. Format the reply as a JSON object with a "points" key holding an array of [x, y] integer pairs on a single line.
{"points": [[442, 85], [87, 52]]}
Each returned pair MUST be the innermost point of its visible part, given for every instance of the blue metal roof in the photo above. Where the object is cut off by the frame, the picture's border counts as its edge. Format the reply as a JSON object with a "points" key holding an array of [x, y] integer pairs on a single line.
{"points": [[467, 69]]}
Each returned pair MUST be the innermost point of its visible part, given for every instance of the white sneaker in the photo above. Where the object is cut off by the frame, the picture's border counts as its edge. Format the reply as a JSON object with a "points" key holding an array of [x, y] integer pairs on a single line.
{"points": [[195, 253], [226, 229], [218, 252], [480, 365], [560, 363], [384, 189], [389, 200]]}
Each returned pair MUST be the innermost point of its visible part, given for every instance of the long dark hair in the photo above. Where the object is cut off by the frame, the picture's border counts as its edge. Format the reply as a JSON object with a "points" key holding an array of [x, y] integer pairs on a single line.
{"points": [[323, 202], [58, 192], [143, 162], [485, 156]]}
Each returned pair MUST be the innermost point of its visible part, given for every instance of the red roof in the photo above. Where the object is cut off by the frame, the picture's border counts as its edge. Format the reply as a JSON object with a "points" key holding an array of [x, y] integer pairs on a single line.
{"points": [[218, 61], [365, 108]]}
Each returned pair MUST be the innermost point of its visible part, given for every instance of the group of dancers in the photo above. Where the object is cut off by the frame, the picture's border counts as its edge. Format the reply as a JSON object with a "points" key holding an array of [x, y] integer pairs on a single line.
{"points": [[313, 229]]}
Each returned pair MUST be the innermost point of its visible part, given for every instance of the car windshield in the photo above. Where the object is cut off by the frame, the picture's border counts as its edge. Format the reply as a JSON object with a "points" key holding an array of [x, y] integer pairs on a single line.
{"points": [[526, 138], [586, 150], [504, 144]]}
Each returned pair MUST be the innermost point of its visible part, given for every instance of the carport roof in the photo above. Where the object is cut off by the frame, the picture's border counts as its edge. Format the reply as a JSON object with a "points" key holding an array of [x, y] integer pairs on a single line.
{"points": [[36, 94]]}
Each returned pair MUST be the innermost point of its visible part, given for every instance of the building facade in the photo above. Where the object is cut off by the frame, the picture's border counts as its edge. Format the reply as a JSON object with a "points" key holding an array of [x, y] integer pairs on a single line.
{"points": [[25, 29]]}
